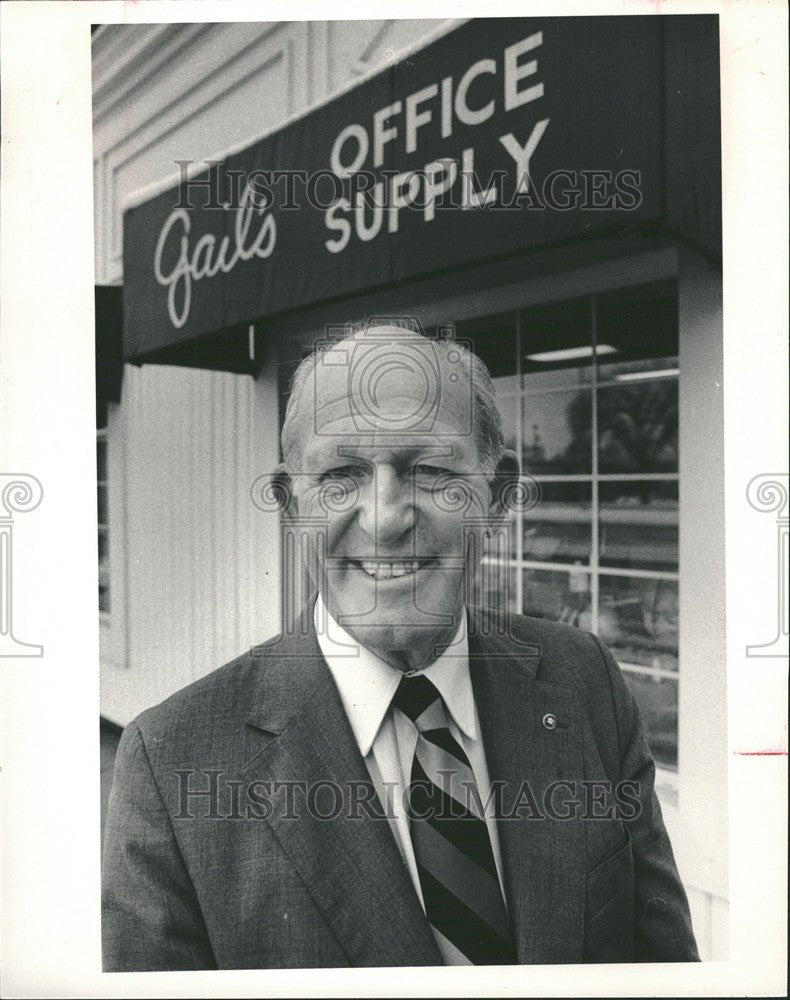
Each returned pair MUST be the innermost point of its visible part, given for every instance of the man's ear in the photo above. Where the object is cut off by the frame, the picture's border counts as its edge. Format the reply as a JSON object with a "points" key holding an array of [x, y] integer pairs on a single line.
{"points": [[503, 484], [282, 491]]}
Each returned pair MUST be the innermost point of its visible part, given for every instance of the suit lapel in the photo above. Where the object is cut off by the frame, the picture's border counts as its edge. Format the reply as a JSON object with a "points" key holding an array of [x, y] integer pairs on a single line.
{"points": [[351, 866], [542, 857]]}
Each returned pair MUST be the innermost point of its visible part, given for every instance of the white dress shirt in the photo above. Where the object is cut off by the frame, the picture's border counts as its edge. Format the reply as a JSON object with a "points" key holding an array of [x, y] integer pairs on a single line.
{"points": [[387, 739]]}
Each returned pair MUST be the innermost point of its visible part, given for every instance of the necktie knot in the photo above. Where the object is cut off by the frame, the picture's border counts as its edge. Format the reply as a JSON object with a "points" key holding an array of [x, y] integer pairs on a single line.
{"points": [[420, 701]]}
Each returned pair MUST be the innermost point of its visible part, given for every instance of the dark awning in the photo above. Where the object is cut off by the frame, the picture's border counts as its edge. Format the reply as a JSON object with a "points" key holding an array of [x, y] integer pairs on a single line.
{"points": [[108, 302], [507, 137]]}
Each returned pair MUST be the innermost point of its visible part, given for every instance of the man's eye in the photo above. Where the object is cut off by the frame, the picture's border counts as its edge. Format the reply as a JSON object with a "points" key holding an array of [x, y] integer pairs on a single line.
{"points": [[432, 471], [343, 473]]}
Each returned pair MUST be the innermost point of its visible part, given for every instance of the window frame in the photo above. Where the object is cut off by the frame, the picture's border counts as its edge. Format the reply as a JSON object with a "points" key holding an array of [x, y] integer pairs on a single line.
{"points": [[593, 570], [587, 281]]}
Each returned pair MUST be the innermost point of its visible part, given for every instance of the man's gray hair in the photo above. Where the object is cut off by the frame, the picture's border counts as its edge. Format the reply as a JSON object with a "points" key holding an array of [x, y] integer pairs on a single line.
{"points": [[490, 440]]}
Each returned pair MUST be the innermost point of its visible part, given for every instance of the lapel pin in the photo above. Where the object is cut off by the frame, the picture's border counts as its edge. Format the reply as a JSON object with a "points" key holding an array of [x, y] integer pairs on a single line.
{"points": [[549, 721]]}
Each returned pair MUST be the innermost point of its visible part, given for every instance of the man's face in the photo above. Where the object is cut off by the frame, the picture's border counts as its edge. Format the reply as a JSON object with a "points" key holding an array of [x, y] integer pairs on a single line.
{"points": [[390, 490]]}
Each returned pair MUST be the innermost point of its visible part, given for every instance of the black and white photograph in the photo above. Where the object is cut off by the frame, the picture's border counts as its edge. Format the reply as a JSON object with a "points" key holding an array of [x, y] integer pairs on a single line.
{"points": [[406, 628]]}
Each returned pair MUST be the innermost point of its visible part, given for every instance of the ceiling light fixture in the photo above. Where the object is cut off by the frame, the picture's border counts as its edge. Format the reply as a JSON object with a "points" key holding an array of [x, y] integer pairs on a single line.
{"points": [[571, 353], [638, 376]]}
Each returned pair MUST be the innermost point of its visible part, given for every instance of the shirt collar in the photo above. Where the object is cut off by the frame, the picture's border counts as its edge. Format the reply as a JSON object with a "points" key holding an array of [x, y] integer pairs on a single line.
{"points": [[367, 684]]}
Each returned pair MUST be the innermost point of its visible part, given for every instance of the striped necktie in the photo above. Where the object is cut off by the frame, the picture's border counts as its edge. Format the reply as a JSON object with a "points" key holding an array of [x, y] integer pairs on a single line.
{"points": [[452, 848]]}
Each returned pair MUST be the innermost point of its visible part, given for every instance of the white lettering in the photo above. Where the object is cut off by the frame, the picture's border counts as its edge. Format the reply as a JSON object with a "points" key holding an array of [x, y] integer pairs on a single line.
{"points": [[381, 135], [447, 169], [204, 246], [206, 260], [181, 270], [514, 85], [263, 244], [463, 112], [350, 131], [400, 198], [514, 97], [342, 225], [447, 107], [414, 118], [364, 232], [469, 197], [523, 155]]}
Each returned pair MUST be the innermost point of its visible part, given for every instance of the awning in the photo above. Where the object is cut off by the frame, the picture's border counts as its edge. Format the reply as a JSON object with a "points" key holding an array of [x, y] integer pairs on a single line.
{"points": [[505, 138], [108, 304]]}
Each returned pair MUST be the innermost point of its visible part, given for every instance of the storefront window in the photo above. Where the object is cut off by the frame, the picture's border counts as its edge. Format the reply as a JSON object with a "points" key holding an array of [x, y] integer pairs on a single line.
{"points": [[588, 390]]}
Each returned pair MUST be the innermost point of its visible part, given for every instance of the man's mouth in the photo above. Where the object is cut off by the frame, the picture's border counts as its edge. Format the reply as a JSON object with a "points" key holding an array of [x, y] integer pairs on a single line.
{"points": [[387, 569]]}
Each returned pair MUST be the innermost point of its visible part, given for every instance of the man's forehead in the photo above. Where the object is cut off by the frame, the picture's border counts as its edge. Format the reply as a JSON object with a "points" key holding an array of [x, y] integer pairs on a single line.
{"points": [[390, 381], [383, 447], [387, 387]]}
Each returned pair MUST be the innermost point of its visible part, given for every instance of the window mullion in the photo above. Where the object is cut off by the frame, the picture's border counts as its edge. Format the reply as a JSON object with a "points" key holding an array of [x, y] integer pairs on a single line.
{"points": [[519, 452], [594, 559]]}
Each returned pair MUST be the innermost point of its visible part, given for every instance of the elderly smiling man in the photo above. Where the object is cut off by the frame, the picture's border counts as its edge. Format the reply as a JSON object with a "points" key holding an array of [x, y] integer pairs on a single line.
{"points": [[400, 778]]}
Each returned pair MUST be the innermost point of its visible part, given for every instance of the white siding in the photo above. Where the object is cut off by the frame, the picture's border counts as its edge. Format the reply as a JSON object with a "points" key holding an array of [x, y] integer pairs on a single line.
{"points": [[202, 563]]}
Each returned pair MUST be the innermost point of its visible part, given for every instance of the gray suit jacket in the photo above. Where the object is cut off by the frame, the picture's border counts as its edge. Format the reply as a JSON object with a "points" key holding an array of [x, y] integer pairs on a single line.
{"points": [[249, 875]]}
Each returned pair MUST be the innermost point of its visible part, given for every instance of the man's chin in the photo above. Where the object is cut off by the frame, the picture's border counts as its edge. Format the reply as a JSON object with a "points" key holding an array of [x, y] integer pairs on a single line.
{"points": [[416, 623], [411, 614], [409, 643]]}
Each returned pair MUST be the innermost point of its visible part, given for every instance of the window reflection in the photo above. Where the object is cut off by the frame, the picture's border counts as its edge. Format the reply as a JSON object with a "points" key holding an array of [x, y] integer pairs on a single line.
{"points": [[638, 525], [638, 620], [558, 596], [638, 427], [508, 398], [495, 584], [557, 431], [559, 529], [657, 698], [645, 370]]}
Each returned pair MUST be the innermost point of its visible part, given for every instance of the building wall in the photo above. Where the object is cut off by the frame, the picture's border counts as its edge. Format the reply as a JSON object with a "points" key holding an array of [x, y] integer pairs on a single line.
{"points": [[185, 446]]}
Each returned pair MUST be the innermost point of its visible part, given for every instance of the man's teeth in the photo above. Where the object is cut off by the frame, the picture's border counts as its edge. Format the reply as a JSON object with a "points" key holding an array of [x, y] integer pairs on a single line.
{"points": [[385, 570]]}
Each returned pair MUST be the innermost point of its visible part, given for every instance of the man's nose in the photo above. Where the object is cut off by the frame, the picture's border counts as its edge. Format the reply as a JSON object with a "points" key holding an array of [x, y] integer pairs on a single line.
{"points": [[386, 508]]}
